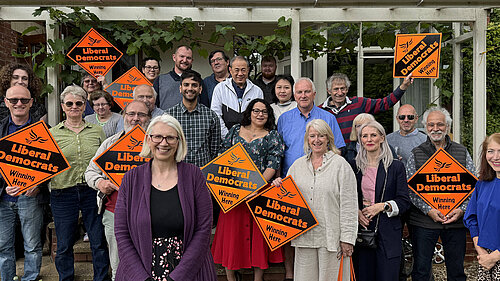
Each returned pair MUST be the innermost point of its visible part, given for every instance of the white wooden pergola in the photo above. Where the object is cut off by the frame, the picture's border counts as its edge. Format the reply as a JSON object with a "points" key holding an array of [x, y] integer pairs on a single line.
{"points": [[301, 12]]}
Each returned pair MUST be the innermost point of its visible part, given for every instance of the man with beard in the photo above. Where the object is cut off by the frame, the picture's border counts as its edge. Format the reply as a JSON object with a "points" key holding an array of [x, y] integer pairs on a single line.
{"points": [[219, 62], [148, 95], [268, 78], [407, 137], [428, 224], [200, 124], [167, 85], [135, 113]]}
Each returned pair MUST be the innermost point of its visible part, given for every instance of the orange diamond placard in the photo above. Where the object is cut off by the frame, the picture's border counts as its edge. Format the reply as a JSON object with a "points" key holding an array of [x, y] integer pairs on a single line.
{"points": [[122, 156], [281, 213], [30, 156], [122, 88], [95, 54], [442, 182], [418, 54], [232, 177]]}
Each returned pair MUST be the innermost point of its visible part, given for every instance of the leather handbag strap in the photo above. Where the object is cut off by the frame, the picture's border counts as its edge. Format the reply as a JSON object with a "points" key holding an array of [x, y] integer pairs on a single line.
{"points": [[381, 198]]}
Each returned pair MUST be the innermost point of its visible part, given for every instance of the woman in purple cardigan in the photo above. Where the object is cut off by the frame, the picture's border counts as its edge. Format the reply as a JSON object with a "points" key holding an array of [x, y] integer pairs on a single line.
{"points": [[163, 214]]}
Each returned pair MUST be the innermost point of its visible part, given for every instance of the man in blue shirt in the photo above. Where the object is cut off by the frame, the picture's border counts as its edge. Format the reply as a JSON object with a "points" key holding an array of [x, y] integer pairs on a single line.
{"points": [[27, 206], [292, 124]]}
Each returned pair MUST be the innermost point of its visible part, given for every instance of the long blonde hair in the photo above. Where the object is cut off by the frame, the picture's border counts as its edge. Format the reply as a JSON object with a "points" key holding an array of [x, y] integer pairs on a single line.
{"points": [[385, 151]]}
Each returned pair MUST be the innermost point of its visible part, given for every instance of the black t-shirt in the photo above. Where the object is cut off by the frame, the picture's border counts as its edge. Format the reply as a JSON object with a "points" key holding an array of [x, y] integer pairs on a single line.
{"points": [[167, 219]]}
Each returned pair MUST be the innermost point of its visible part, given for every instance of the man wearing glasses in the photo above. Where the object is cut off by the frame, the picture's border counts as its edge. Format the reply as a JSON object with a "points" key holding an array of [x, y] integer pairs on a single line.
{"points": [[136, 113], [219, 62], [27, 206], [151, 68], [346, 109], [407, 137]]}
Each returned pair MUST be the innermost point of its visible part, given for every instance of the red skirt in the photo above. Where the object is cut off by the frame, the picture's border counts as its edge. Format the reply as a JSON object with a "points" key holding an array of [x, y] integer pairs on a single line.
{"points": [[238, 242]]}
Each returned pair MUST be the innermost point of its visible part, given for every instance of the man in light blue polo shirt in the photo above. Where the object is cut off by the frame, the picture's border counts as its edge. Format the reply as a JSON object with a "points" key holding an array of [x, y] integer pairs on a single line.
{"points": [[292, 124]]}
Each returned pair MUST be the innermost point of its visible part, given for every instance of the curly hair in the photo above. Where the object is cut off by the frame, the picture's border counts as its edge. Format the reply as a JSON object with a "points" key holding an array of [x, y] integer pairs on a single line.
{"points": [[34, 83]]}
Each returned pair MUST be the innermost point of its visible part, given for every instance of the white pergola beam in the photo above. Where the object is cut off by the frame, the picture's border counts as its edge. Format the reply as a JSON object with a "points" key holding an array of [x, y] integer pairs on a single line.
{"points": [[52, 79], [295, 59], [320, 15], [479, 82], [457, 83]]}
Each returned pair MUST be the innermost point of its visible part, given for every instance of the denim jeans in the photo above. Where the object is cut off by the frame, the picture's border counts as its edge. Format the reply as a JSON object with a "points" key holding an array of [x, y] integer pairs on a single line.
{"points": [[30, 213], [66, 204], [424, 241]]}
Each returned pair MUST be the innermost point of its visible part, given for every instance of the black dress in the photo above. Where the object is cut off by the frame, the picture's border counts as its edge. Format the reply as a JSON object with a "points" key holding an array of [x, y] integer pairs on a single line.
{"points": [[167, 223]]}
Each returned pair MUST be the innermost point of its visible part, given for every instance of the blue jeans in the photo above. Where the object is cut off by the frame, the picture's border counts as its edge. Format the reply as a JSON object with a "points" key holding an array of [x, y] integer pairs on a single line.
{"points": [[30, 213], [424, 241], [66, 204]]}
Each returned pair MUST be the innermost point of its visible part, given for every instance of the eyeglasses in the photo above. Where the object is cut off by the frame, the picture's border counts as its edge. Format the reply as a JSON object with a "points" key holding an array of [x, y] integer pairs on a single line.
{"points": [[402, 117], [343, 89], [16, 100], [138, 114], [258, 111], [160, 138], [149, 67], [88, 81], [70, 103], [216, 60], [101, 104]]}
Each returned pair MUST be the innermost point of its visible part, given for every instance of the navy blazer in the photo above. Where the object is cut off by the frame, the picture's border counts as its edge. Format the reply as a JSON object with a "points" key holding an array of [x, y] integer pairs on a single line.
{"points": [[389, 228]]}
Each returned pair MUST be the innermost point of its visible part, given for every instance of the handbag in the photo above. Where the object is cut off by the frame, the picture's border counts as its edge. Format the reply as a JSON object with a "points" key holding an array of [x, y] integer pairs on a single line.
{"points": [[341, 269], [368, 238]]}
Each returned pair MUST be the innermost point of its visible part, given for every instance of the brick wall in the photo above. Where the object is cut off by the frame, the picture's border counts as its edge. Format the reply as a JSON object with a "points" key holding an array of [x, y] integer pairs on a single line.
{"points": [[8, 42]]}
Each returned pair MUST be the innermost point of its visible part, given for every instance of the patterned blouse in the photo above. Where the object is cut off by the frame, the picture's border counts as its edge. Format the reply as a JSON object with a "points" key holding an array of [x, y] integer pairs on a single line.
{"points": [[266, 152]]}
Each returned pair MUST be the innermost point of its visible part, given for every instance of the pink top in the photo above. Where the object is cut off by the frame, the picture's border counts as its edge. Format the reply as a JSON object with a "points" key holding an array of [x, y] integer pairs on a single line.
{"points": [[368, 184]]}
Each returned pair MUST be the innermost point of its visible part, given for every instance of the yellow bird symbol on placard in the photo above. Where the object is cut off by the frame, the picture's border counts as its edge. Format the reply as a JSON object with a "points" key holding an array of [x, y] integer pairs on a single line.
{"points": [[35, 138], [235, 159], [441, 165], [406, 45], [134, 143], [285, 193]]}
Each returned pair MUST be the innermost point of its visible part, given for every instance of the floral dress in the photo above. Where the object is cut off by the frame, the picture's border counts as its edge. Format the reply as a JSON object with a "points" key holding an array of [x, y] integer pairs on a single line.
{"points": [[238, 242]]}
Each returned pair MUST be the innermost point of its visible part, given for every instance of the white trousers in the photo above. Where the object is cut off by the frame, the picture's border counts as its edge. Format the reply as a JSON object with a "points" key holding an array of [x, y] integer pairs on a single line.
{"points": [[319, 264]]}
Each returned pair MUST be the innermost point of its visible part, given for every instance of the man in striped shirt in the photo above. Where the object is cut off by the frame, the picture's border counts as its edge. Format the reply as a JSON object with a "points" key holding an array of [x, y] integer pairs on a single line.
{"points": [[346, 109]]}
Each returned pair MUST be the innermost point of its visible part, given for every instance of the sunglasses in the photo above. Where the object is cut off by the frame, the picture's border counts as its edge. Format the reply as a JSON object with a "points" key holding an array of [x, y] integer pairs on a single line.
{"points": [[70, 103], [16, 100], [402, 117]]}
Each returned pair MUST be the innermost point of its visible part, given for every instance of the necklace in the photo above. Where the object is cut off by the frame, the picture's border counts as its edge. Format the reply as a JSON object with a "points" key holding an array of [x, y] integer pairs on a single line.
{"points": [[74, 127]]}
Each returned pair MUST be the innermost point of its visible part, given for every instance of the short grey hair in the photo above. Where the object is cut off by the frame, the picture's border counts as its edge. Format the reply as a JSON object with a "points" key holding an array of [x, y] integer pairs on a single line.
{"points": [[304, 79], [134, 92], [385, 151], [239, 58], [323, 128], [75, 91], [337, 76], [445, 112], [361, 118], [170, 121]]}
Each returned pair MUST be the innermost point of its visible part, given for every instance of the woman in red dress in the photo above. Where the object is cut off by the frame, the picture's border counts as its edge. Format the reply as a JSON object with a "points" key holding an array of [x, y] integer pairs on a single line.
{"points": [[238, 242]]}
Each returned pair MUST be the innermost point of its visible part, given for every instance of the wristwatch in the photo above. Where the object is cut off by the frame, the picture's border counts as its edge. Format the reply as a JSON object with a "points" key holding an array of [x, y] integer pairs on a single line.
{"points": [[387, 207]]}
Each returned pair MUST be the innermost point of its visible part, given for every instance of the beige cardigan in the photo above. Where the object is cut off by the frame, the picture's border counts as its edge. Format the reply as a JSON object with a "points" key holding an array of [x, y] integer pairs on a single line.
{"points": [[332, 195]]}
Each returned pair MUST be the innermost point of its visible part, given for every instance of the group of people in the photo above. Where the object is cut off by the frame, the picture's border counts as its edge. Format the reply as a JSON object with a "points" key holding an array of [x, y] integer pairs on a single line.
{"points": [[157, 224]]}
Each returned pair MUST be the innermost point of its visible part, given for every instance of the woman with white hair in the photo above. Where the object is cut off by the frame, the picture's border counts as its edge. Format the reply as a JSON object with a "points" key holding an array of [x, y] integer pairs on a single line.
{"points": [[328, 184], [163, 215], [70, 194], [382, 199]]}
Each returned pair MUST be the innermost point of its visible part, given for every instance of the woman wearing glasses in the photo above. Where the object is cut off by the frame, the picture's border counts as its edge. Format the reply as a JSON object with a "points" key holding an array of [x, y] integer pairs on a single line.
{"points": [[151, 68], [238, 242], [111, 122], [70, 194], [19, 74], [163, 215]]}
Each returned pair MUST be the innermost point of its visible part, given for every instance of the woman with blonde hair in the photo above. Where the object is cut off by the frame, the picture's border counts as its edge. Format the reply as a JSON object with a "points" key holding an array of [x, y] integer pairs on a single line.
{"points": [[328, 184], [482, 216], [163, 215], [382, 199]]}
